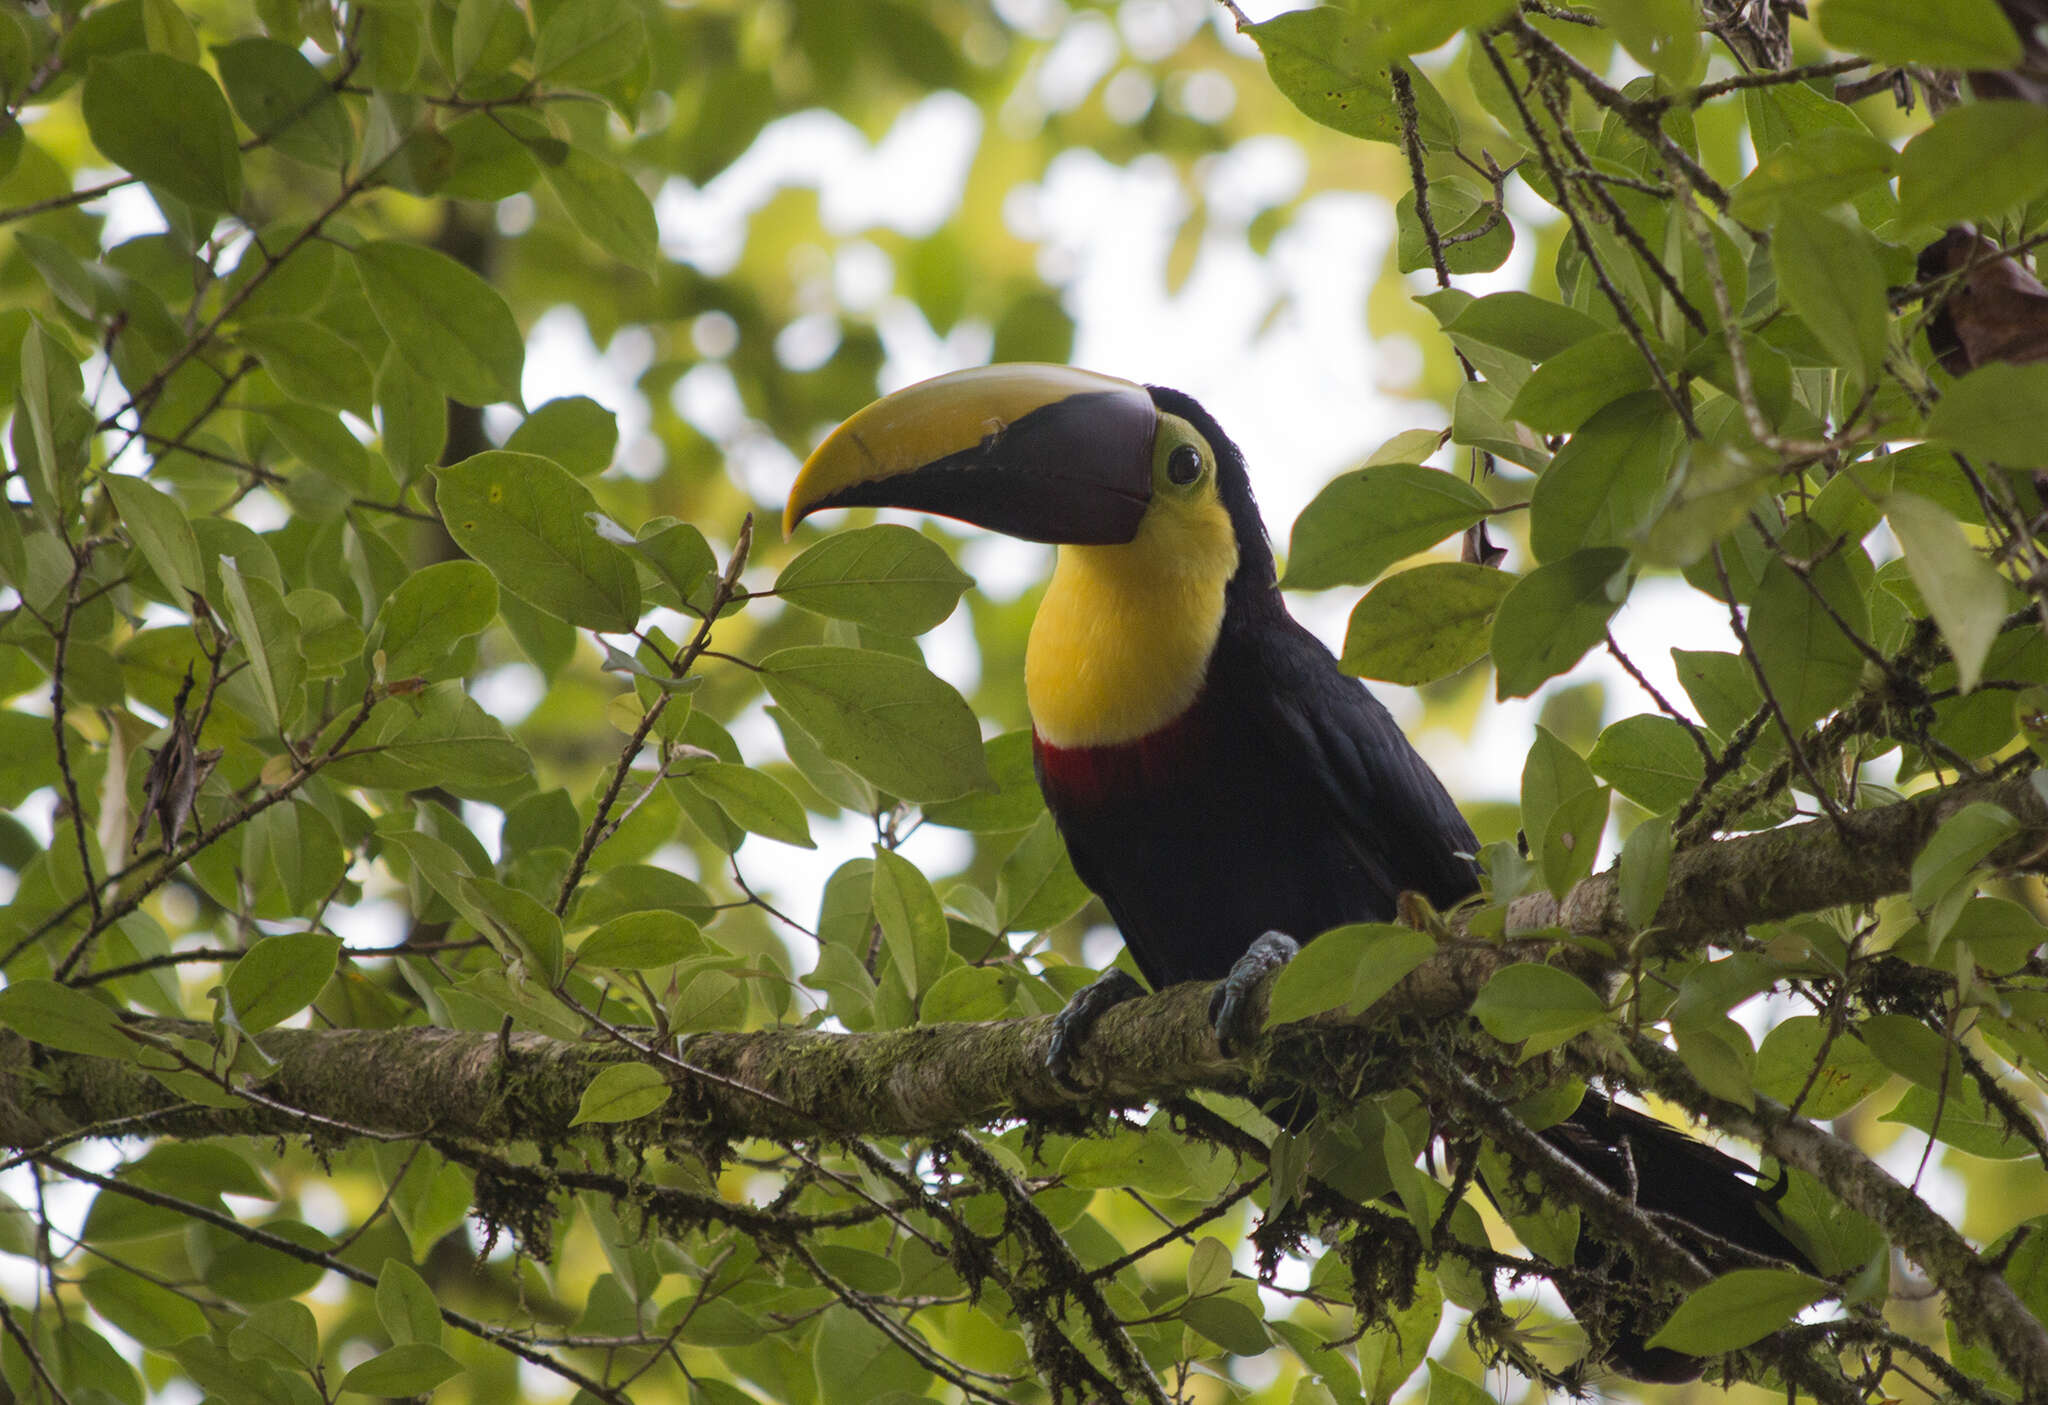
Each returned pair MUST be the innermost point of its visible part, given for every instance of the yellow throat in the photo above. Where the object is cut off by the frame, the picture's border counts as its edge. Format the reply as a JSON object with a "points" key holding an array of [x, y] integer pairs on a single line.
{"points": [[1123, 637]]}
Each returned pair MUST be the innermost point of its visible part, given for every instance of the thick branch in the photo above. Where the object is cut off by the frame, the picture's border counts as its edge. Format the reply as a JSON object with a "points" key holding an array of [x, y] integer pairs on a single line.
{"points": [[934, 1078]]}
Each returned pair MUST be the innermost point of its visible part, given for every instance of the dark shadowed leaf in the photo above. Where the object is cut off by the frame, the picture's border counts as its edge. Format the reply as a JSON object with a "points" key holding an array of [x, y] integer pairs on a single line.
{"points": [[283, 99], [167, 122]]}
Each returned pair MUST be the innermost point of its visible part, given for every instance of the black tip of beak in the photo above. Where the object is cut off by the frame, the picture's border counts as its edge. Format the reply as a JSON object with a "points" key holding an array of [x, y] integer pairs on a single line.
{"points": [[1077, 471]]}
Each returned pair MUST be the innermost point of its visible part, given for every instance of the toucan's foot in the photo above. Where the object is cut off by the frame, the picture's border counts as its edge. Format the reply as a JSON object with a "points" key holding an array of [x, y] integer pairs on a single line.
{"points": [[1233, 1010], [1071, 1025]]}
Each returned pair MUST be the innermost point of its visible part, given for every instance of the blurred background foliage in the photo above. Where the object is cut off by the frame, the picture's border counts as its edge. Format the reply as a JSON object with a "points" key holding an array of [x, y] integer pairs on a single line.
{"points": [[716, 229]]}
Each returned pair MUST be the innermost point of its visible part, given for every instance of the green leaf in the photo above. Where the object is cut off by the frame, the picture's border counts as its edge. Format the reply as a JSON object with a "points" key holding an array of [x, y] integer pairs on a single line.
{"points": [[1566, 390], [1644, 871], [640, 941], [440, 737], [528, 520], [517, 924], [1966, 1121], [1997, 412], [588, 43], [1977, 160], [1232, 1319], [269, 633], [1738, 1308], [1483, 238], [449, 325], [1718, 1054], [166, 122], [406, 1305], [1604, 486], [889, 719], [620, 1093], [280, 976], [1571, 840], [1811, 665], [1649, 759], [1963, 840], [1424, 624], [1964, 593], [282, 1333], [1817, 169], [1528, 326], [607, 205], [159, 528], [1364, 521], [1448, 1388], [970, 994], [1912, 1050], [885, 577], [1037, 887], [753, 800], [309, 362], [913, 923], [416, 1368], [153, 1315], [1540, 1004], [1013, 804], [1785, 1067], [1349, 966], [433, 610], [412, 413], [1332, 66], [1830, 274], [246, 1272], [1552, 773], [573, 430], [283, 99], [1208, 1266], [1934, 33], [1552, 616], [1661, 35]]}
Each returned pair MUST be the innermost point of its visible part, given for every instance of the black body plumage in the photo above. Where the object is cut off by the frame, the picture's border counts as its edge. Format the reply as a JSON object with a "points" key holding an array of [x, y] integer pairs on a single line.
{"points": [[1287, 799]]}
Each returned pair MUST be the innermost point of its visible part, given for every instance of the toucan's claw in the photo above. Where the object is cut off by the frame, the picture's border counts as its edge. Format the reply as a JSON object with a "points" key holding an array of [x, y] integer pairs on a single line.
{"points": [[1238, 1008], [1071, 1025]]}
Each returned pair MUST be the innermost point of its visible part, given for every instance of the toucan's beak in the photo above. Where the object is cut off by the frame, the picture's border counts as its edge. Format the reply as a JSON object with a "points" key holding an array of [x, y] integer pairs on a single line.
{"points": [[1042, 452]]}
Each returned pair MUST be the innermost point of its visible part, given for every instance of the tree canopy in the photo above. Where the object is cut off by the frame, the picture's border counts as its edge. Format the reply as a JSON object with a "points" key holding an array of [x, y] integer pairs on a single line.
{"points": [[409, 988]]}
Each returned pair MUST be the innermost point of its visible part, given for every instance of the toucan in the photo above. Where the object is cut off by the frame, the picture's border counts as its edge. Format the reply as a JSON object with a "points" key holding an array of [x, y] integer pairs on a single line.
{"points": [[1221, 785]]}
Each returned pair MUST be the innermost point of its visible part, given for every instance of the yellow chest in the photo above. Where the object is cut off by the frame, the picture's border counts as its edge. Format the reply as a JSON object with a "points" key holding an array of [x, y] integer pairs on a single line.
{"points": [[1123, 637]]}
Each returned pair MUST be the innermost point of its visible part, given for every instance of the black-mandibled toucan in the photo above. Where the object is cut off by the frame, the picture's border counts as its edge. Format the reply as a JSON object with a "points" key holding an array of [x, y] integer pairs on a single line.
{"points": [[1218, 781]]}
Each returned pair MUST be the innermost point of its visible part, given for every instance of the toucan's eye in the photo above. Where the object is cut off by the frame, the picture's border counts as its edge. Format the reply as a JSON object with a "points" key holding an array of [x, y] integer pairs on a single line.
{"points": [[1184, 464]]}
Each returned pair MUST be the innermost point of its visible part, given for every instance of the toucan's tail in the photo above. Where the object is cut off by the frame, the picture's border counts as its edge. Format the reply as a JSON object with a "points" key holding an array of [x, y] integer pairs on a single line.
{"points": [[1708, 1201]]}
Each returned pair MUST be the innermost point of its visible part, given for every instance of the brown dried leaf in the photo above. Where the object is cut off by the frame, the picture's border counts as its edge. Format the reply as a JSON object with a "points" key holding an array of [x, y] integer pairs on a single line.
{"points": [[1997, 312]]}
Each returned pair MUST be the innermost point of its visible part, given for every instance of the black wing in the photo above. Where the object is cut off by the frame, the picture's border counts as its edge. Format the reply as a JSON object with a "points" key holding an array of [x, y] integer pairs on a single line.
{"points": [[1401, 826]]}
